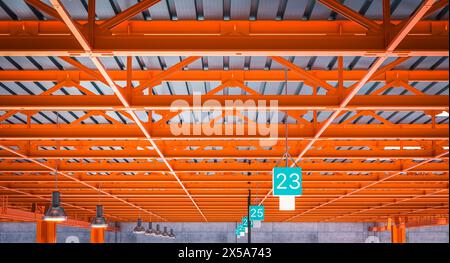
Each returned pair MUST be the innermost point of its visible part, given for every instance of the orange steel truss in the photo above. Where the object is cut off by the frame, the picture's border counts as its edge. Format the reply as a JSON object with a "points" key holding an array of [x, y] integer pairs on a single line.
{"points": [[353, 172]]}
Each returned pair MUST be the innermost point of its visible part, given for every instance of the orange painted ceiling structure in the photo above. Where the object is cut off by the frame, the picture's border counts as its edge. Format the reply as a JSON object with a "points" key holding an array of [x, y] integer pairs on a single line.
{"points": [[86, 93]]}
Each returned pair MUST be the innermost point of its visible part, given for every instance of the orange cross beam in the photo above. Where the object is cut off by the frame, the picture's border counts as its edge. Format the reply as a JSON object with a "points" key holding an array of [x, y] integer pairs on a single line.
{"points": [[127, 14], [164, 133], [224, 154], [420, 222], [262, 102], [221, 38], [351, 14], [219, 75], [184, 167], [383, 206]]}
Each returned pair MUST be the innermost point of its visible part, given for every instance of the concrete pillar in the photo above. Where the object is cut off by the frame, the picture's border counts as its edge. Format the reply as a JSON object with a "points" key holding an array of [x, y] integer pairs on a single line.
{"points": [[45, 232], [97, 235]]}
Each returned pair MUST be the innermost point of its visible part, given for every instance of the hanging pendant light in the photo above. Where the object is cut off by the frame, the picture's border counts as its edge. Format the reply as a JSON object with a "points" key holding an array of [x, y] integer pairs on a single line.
{"points": [[158, 232], [172, 235], [55, 213], [165, 233], [139, 229], [150, 231], [99, 221]]}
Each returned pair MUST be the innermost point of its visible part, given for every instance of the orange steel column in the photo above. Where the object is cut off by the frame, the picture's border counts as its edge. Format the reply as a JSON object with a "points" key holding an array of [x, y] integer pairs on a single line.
{"points": [[398, 232], [45, 232], [97, 235]]}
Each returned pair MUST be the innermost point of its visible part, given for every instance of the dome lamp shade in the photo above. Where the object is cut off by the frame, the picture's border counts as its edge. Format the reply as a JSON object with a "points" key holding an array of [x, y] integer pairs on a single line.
{"points": [[139, 229], [99, 221], [55, 213]]}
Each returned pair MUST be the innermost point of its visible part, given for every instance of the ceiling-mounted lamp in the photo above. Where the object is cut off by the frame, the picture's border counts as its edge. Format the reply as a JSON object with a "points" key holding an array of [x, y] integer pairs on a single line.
{"points": [[165, 233], [139, 229], [99, 221], [55, 213], [158, 231], [172, 235], [150, 231], [443, 114]]}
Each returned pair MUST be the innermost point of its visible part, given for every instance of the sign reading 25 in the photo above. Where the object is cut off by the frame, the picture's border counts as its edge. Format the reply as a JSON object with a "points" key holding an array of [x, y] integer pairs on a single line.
{"points": [[257, 213], [287, 181]]}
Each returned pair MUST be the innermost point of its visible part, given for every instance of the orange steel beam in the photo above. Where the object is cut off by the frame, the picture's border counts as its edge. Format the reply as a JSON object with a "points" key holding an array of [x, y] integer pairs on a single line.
{"points": [[220, 75], [262, 179], [223, 154], [186, 167], [164, 133], [442, 206], [98, 64], [388, 204], [351, 14], [30, 146], [261, 102], [54, 170], [315, 191], [436, 6], [393, 44], [221, 38], [420, 222], [38, 4], [158, 78], [395, 191], [127, 14], [207, 187], [410, 24], [211, 202]]}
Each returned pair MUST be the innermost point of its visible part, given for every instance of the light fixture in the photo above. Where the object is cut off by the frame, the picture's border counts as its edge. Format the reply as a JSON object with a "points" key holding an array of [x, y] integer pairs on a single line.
{"points": [[158, 232], [139, 229], [172, 235], [412, 148], [99, 221], [150, 231], [165, 233], [392, 148], [55, 213], [443, 114]]}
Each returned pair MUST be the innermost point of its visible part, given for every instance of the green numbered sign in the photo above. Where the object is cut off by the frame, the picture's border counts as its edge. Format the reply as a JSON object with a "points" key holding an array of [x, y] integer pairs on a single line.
{"points": [[240, 229], [257, 213], [245, 222], [287, 181]]}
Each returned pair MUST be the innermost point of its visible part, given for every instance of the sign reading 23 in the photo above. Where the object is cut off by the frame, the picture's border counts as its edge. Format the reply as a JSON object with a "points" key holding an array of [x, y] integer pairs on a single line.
{"points": [[287, 181]]}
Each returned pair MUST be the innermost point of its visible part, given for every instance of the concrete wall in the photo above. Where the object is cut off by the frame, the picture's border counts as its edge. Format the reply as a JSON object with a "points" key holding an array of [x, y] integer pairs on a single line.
{"points": [[224, 233]]}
